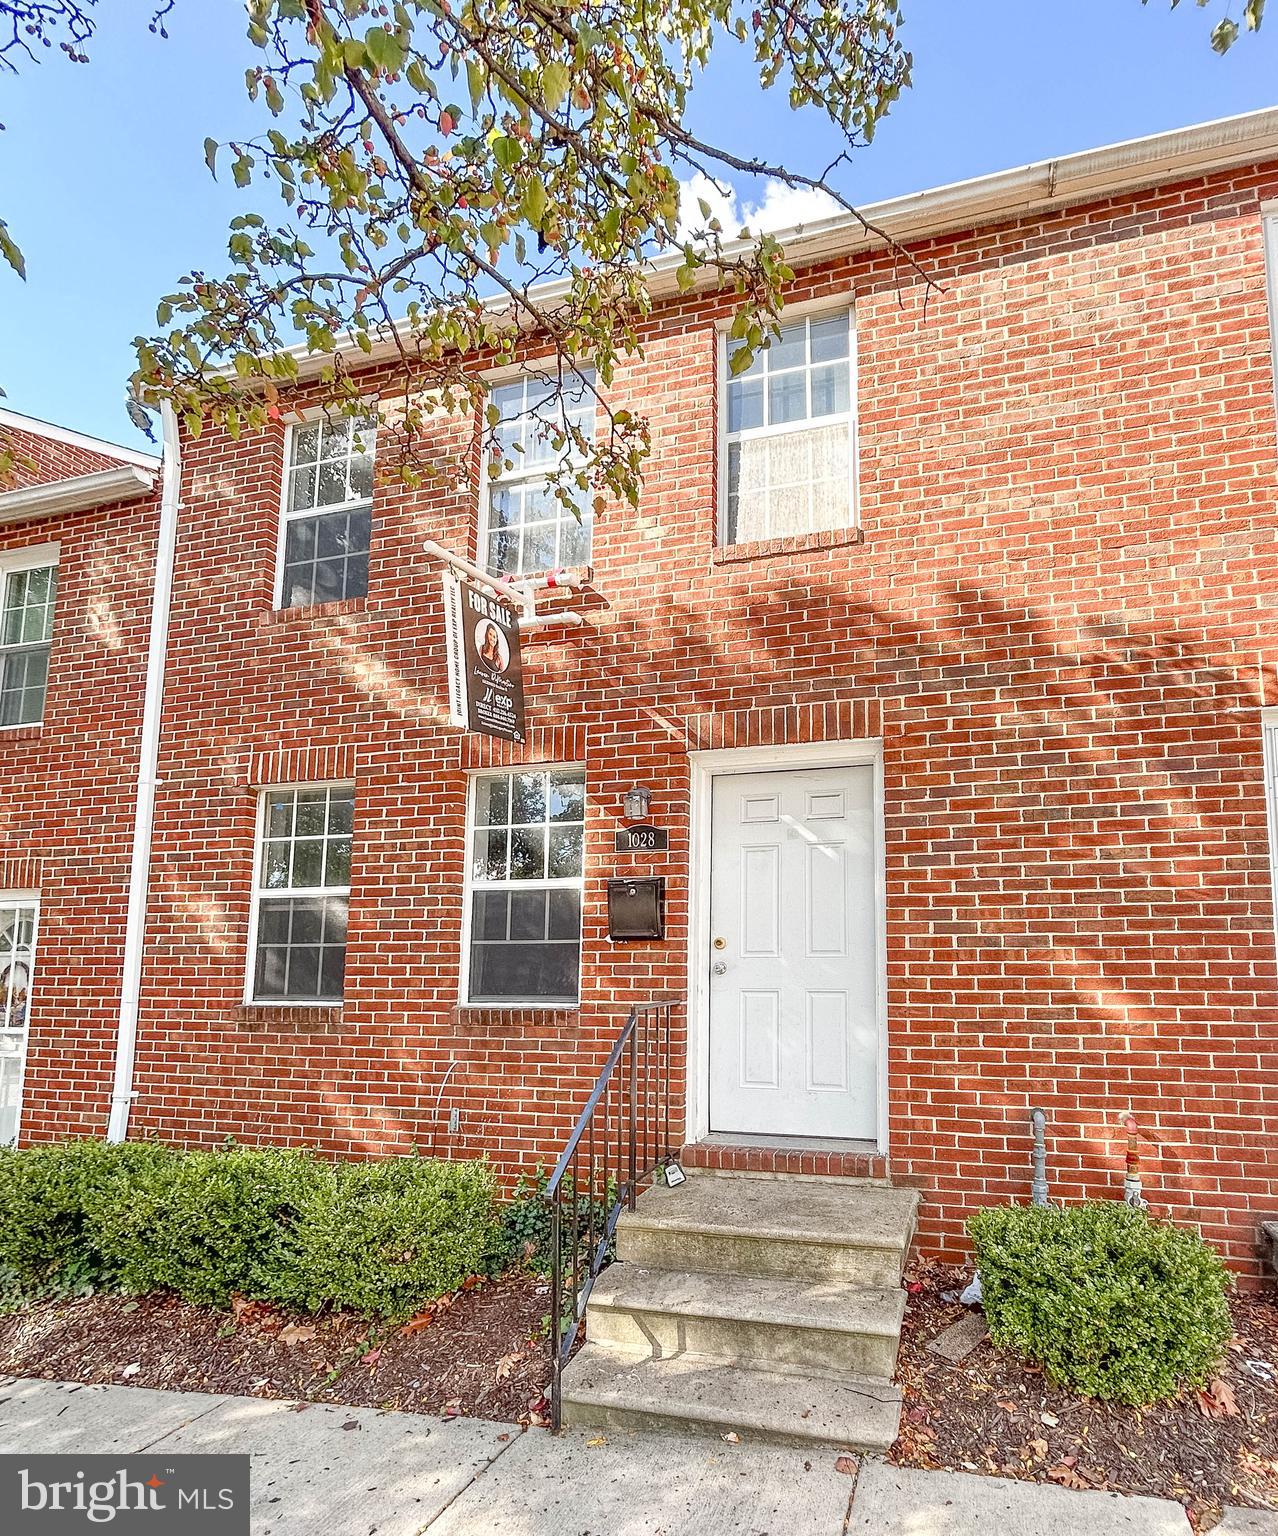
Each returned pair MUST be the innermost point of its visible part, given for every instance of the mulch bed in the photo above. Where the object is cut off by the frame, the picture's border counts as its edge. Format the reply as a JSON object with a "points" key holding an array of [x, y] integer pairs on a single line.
{"points": [[991, 1413], [482, 1352]]}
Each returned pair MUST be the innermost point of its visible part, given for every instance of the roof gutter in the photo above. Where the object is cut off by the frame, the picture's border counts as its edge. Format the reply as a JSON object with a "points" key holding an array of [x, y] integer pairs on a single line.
{"points": [[1038, 188], [147, 783], [81, 494]]}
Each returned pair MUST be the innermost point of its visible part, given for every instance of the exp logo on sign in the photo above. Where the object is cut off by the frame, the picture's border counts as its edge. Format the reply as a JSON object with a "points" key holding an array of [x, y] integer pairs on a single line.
{"points": [[151, 1495]]}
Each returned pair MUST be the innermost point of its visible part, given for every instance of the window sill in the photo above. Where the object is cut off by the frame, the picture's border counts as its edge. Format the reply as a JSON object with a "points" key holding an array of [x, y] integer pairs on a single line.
{"points": [[316, 611], [21, 732], [792, 544], [516, 1013], [310, 1017]]}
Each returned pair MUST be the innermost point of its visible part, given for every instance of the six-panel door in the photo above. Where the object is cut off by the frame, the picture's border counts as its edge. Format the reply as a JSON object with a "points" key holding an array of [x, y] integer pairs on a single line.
{"points": [[793, 1030]]}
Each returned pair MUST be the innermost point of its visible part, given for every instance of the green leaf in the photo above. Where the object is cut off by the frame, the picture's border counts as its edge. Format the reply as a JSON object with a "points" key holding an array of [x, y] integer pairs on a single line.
{"points": [[554, 84], [11, 253], [533, 202], [476, 80], [211, 147], [385, 50]]}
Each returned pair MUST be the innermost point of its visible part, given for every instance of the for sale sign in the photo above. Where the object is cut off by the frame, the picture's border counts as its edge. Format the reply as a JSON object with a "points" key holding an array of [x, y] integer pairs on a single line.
{"points": [[485, 678]]}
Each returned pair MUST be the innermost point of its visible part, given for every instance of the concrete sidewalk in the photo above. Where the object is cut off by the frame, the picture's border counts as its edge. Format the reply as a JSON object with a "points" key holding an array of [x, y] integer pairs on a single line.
{"points": [[320, 1470]]}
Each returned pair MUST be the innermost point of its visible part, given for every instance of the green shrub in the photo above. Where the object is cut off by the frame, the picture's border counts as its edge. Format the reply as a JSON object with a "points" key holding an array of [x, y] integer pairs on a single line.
{"points": [[1111, 1303], [204, 1224], [384, 1238], [51, 1197], [526, 1217]]}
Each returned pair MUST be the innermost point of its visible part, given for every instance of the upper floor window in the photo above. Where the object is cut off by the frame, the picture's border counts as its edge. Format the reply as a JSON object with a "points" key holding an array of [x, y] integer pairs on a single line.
{"points": [[328, 512], [525, 527], [524, 887], [789, 433], [28, 586], [300, 894]]}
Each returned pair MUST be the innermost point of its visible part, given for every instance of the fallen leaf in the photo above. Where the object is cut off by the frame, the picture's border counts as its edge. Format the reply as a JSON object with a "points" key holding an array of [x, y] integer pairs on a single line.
{"points": [[846, 1465], [597, 1441], [372, 1357], [506, 1364], [1006, 1406], [131, 1370], [731, 1437], [1049, 1419], [422, 1320], [1218, 1400], [297, 1333], [451, 1409], [1067, 1477]]}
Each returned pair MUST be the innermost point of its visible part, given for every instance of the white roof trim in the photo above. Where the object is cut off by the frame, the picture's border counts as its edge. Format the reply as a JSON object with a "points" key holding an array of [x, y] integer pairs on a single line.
{"points": [[57, 434], [1090, 175], [128, 483]]}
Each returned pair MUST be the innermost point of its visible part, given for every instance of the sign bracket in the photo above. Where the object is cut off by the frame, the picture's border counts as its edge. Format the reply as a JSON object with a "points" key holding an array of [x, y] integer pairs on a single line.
{"points": [[522, 595]]}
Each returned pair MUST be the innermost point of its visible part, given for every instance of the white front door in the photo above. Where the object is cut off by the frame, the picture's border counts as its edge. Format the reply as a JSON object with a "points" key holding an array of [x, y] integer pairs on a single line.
{"points": [[794, 1038], [17, 964]]}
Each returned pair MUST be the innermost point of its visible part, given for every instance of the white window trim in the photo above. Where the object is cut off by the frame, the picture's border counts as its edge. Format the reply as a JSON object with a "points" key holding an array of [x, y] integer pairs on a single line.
{"points": [[25, 899], [470, 885], [1269, 743], [308, 419], [487, 480], [1269, 228], [257, 891], [32, 557], [813, 310]]}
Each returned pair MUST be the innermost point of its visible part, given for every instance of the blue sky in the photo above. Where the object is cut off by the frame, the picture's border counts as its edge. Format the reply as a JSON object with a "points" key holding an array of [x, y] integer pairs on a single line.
{"points": [[103, 183]]}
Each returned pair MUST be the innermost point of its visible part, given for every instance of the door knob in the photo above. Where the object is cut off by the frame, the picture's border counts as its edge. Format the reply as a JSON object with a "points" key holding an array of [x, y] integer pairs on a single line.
{"points": [[719, 968]]}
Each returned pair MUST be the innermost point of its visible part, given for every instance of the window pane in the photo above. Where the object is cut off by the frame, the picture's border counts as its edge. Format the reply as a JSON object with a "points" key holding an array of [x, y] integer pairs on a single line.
{"points": [[565, 859], [279, 813], [564, 917], [524, 972], [528, 801], [489, 855], [528, 853], [341, 810], [490, 914], [305, 442], [830, 337], [337, 861], [528, 914], [492, 801], [745, 404], [23, 679], [787, 397], [312, 812], [301, 487], [567, 797], [362, 476], [330, 484], [301, 949], [275, 866], [830, 390], [575, 539], [755, 367]]}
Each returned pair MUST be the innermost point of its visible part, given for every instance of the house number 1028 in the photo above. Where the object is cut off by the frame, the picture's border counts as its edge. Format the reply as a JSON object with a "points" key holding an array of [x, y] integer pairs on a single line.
{"points": [[642, 840]]}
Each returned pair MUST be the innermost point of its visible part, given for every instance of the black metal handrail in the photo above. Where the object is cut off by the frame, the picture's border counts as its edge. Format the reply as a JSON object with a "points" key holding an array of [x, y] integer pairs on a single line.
{"points": [[630, 1103]]}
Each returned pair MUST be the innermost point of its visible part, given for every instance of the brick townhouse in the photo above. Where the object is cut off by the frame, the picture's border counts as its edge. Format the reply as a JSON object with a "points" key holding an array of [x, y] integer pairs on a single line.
{"points": [[943, 642]]}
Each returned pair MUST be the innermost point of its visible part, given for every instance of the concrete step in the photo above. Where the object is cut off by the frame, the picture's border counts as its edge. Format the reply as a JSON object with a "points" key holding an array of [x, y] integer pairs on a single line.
{"points": [[611, 1389], [803, 1229], [790, 1325]]}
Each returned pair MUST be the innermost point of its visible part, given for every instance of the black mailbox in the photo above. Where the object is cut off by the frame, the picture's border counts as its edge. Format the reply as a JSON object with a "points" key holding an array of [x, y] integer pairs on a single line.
{"points": [[637, 909]]}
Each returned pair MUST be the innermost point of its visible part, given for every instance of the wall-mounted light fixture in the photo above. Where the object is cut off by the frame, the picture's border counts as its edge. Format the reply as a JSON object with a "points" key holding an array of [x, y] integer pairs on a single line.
{"points": [[635, 803]]}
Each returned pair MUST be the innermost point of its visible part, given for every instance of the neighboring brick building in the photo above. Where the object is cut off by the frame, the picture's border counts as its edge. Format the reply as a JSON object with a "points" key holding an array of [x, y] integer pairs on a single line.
{"points": [[77, 557], [986, 586]]}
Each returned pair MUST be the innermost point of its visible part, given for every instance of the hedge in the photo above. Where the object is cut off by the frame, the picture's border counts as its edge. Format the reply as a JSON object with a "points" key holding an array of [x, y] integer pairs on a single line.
{"points": [[1110, 1302], [380, 1238]]}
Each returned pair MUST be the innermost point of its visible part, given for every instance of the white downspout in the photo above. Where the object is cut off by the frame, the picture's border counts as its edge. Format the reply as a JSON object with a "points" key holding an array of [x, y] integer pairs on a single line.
{"points": [[148, 757]]}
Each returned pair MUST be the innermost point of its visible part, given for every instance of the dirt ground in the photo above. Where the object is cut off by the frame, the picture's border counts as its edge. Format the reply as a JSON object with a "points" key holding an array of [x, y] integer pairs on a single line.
{"points": [[482, 1353], [991, 1413]]}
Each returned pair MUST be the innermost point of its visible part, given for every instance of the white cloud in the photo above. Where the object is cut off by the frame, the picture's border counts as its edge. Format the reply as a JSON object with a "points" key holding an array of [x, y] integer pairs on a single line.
{"points": [[782, 207]]}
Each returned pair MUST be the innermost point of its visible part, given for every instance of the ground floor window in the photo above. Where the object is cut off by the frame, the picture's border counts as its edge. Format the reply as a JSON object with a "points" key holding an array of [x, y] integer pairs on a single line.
{"points": [[17, 969], [524, 884], [301, 892]]}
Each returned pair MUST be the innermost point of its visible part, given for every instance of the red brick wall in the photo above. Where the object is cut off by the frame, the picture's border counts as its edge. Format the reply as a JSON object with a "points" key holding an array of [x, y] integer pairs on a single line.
{"points": [[38, 459], [1060, 622], [66, 807]]}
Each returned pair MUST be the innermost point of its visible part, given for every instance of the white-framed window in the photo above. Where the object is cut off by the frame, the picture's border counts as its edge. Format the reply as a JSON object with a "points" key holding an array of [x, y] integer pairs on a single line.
{"points": [[326, 522], [525, 528], [28, 590], [301, 892], [17, 973], [523, 886], [1269, 736], [789, 432]]}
